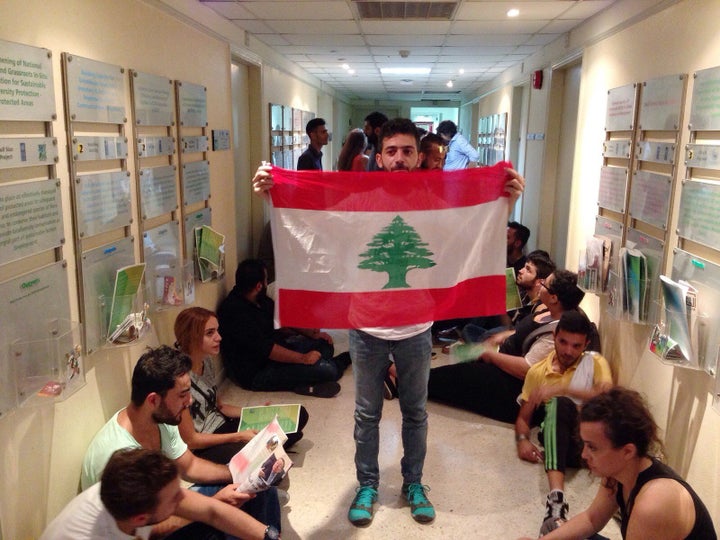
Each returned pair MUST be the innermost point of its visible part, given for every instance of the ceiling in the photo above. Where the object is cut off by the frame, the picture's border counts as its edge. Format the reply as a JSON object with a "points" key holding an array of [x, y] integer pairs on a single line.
{"points": [[468, 42]]}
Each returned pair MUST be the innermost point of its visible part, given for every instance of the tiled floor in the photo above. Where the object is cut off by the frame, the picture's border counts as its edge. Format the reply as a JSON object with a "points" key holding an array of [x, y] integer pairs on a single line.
{"points": [[479, 487]]}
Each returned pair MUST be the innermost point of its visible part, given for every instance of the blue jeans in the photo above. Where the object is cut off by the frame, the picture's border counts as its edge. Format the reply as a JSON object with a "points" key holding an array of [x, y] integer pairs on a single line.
{"points": [[371, 358], [265, 507]]}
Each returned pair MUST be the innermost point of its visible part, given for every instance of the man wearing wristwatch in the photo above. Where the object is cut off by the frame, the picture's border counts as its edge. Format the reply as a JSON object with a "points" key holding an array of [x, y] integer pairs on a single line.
{"points": [[553, 390], [271, 533]]}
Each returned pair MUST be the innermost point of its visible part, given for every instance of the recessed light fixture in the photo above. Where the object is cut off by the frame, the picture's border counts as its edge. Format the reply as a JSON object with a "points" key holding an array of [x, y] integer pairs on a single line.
{"points": [[351, 71], [461, 71], [405, 71], [345, 66], [514, 12], [449, 84]]}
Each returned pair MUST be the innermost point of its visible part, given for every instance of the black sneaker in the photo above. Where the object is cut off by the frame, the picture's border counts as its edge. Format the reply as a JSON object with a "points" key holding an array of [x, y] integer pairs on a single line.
{"points": [[556, 510]]}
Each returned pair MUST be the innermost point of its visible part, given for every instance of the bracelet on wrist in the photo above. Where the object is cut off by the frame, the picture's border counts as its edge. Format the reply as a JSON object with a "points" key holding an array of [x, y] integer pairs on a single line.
{"points": [[521, 437]]}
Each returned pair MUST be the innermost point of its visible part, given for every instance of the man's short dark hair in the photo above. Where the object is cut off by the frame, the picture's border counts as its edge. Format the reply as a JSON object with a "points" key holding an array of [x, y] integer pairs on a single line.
{"points": [[522, 233], [564, 285], [540, 252], [398, 126], [448, 128], [428, 140], [156, 371], [376, 119], [543, 265], [249, 273], [574, 322], [313, 124], [132, 480]]}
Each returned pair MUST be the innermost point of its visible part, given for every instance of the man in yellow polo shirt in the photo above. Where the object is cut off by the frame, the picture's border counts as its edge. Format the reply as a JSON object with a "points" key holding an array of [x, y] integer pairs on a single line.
{"points": [[553, 390]]}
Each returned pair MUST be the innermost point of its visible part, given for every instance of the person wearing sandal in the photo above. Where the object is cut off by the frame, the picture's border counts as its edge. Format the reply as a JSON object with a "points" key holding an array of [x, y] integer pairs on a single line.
{"points": [[209, 426]]}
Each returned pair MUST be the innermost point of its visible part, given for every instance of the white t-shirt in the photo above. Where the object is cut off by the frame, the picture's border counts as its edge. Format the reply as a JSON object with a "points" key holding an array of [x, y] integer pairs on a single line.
{"points": [[86, 518], [396, 333]]}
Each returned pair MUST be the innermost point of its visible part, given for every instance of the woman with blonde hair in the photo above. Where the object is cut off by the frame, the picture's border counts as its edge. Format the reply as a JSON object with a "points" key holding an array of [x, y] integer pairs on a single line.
{"points": [[210, 426]]}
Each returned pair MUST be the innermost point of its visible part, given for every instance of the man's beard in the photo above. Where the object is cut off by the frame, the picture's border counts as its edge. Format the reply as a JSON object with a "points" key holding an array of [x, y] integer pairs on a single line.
{"points": [[163, 416]]}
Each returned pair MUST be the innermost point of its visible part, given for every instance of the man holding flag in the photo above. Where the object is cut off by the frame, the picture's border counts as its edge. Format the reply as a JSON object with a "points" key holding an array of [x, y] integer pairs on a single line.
{"points": [[319, 219]]}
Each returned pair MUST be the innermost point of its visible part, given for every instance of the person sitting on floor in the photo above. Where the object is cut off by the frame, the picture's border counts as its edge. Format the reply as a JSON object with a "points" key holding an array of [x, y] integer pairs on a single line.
{"points": [[140, 488], [210, 426], [258, 357], [529, 281], [551, 394], [490, 385], [620, 441], [160, 392]]}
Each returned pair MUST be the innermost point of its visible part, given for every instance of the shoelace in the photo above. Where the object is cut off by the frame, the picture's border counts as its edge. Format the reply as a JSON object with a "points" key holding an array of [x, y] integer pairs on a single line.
{"points": [[416, 494], [365, 496]]}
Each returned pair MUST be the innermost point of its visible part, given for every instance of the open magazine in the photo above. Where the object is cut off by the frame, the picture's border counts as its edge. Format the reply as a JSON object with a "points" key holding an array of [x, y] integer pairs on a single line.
{"points": [[262, 463]]}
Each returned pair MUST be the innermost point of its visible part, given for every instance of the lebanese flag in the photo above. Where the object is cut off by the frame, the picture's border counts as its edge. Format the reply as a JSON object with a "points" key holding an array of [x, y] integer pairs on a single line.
{"points": [[387, 249]]}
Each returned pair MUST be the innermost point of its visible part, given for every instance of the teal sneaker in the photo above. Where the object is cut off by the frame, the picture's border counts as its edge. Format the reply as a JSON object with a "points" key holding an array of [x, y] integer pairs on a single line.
{"points": [[361, 509], [421, 508]]}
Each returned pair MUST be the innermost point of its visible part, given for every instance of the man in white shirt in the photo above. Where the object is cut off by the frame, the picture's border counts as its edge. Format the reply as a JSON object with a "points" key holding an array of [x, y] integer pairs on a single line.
{"points": [[459, 151], [138, 489]]}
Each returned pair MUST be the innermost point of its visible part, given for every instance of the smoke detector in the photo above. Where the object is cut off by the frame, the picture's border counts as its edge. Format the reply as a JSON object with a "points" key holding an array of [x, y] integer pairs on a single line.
{"points": [[404, 53]]}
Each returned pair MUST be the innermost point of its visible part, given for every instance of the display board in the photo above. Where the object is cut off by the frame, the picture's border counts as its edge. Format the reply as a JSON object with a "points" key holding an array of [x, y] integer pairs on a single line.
{"points": [[27, 152], [705, 111], [699, 218], [661, 103], [40, 296], [153, 99], [30, 218], [158, 193], [27, 89], [196, 181], [93, 148], [95, 91], [620, 112], [99, 267], [150, 146], [650, 198], [103, 202], [192, 104], [613, 186], [192, 221]]}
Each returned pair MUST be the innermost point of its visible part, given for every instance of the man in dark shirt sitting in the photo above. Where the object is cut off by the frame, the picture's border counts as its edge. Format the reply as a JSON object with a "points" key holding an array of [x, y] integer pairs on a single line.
{"points": [[258, 357], [311, 159]]}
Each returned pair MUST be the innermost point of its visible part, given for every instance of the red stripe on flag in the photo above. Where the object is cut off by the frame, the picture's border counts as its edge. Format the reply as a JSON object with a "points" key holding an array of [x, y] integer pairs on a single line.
{"points": [[387, 191], [398, 307]]}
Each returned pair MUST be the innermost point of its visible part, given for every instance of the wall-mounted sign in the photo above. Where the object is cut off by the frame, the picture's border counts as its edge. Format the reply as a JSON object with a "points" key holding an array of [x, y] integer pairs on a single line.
{"points": [[650, 198], [620, 108], [27, 152], [192, 103], [196, 181], [30, 219], [661, 103], [158, 193], [27, 91], [154, 99], [95, 91], [103, 202], [99, 148]]}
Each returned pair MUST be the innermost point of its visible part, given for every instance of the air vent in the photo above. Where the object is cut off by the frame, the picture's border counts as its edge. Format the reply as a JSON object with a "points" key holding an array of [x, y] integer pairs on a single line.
{"points": [[406, 10]]}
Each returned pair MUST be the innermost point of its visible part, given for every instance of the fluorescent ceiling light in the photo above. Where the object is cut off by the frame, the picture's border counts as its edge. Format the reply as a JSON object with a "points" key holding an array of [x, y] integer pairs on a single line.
{"points": [[405, 71], [514, 12]]}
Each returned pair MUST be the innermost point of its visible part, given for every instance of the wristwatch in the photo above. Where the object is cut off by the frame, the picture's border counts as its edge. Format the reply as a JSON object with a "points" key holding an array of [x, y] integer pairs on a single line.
{"points": [[520, 437], [271, 533]]}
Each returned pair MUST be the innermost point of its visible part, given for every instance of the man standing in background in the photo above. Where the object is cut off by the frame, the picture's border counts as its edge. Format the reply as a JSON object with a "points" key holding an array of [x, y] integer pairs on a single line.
{"points": [[460, 152], [311, 159]]}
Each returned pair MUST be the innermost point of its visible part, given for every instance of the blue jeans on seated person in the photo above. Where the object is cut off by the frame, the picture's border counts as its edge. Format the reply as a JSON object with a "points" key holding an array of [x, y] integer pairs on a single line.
{"points": [[265, 507], [370, 361]]}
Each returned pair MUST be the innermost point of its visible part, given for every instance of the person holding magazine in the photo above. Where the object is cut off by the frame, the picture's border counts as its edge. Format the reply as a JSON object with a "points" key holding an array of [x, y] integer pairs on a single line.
{"points": [[210, 427]]}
